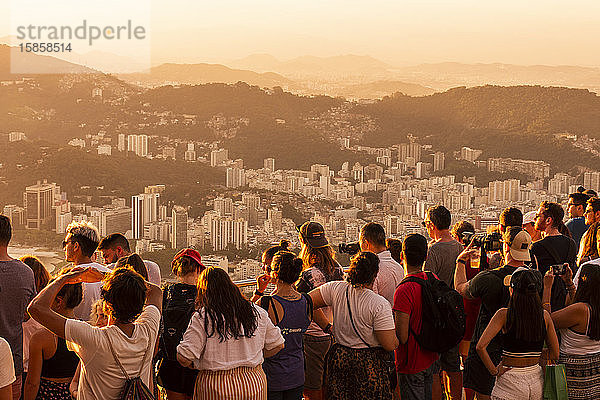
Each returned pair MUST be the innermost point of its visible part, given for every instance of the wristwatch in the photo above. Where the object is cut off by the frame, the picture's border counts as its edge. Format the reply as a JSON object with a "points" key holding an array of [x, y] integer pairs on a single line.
{"points": [[460, 260], [259, 294]]}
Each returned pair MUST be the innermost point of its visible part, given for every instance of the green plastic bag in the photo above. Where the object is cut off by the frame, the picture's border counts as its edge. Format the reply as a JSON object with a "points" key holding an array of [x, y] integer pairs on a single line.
{"points": [[555, 383]]}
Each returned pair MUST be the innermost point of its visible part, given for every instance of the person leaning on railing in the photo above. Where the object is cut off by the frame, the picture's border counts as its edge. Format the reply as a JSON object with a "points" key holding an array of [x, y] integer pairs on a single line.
{"points": [[579, 325], [364, 331], [319, 267], [291, 311], [227, 340]]}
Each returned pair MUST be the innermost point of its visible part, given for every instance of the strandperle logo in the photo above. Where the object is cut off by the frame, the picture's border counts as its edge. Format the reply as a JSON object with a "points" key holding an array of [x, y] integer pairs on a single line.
{"points": [[91, 33]]}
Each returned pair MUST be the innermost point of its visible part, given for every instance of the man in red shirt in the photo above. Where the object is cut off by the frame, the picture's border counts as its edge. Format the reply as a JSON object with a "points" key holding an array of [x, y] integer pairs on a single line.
{"points": [[415, 366]]}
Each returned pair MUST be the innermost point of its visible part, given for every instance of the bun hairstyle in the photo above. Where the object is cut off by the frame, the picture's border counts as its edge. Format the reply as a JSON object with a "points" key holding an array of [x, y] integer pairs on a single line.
{"points": [[286, 266], [363, 268], [270, 252]]}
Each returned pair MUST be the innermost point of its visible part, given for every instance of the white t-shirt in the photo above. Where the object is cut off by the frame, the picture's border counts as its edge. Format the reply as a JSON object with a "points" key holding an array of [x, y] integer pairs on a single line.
{"points": [[370, 312], [208, 353], [153, 272], [101, 378], [389, 276], [7, 368], [91, 293]]}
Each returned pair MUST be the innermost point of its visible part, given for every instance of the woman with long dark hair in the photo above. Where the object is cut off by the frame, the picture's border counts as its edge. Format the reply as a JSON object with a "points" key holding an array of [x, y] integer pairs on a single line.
{"points": [[579, 325], [227, 340], [179, 303], [291, 311], [319, 267], [525, 326], [364, 333], [51, 365], [31, 326]]}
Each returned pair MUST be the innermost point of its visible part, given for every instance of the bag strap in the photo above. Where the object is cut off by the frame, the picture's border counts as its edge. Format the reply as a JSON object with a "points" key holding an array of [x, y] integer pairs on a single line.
{"points": [[352, 320], [267, 302], [112, 350]]}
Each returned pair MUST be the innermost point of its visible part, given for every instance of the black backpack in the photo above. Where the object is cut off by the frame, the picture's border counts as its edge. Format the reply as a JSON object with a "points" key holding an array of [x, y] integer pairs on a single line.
{"points": [[179, 303], [443, 314]]}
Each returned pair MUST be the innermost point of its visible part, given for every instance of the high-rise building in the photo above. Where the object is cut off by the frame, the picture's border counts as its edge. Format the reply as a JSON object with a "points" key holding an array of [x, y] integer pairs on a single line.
{"points": [[469, 154], [179, 222], [531, 168], [115, 220], [138, 144], [16, 136], [439, 161], [121, 142], [38, 200], [168, 152], [190, 153], [252, 201], [591, 180], [225, 231], [16, 214], [269, 164], [155, 189], [409, 150], [508, 190], [104, 149], [223, 205], [325, 185], [144, 209], [275, 217], [321, 169], [235, 178], [218, 157], [422, 170]]}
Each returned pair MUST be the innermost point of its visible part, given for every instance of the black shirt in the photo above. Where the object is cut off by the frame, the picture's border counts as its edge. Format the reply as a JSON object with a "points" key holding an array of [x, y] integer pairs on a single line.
{"points": [[489, 287], [551, 250]]}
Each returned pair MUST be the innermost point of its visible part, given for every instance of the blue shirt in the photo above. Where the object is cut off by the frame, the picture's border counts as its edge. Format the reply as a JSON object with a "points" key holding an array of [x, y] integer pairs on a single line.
{"points": [[285, 370], [577, 227]]}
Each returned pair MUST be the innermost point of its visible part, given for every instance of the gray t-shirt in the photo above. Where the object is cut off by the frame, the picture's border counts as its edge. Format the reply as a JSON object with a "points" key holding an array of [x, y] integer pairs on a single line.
{"points": [[441, 260], [17, 289]]}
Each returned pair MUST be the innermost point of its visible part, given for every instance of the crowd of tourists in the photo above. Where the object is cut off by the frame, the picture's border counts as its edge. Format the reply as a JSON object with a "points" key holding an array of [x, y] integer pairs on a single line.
{"points": [[463, 315]]}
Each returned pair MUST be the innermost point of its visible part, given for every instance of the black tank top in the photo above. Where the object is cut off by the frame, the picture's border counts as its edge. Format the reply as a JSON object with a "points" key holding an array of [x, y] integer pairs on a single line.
{"points": [[62, 364], [515, 347]]}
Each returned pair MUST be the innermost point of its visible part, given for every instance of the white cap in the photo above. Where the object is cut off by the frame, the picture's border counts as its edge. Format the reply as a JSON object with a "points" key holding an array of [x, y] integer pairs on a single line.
{"points": [[529, 217]]}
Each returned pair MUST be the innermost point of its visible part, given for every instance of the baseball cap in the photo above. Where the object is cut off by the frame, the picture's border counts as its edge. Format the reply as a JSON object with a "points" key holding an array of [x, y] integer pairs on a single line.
{"points": [[529, 217], [191, 253], [313, 234], [518, 247], [524, 279]]}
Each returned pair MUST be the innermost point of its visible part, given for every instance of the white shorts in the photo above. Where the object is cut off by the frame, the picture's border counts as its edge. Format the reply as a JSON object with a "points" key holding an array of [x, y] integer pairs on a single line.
{"points": [[525, 383]]}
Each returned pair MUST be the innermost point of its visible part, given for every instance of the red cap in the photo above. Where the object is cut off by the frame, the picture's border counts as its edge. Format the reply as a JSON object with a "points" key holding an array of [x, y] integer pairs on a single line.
{"points": [[191, 253]]}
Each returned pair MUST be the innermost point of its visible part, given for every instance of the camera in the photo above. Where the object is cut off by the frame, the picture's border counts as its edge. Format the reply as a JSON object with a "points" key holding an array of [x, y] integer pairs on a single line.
{"points": [[559, 269], [487, 242], [349, 248]]}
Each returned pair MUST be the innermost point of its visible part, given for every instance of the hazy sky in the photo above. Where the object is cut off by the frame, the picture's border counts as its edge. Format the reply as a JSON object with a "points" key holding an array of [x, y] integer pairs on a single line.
{"points": [[400, 32]]}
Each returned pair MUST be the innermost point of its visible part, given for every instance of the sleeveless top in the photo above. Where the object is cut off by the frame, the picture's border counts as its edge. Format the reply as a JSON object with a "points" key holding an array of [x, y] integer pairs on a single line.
{"points": [[285, 370], [62, 364], [519, 348], [575, 343]]}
